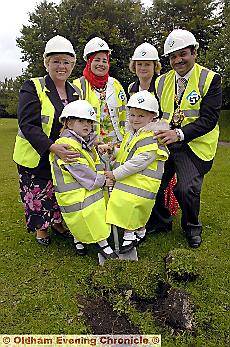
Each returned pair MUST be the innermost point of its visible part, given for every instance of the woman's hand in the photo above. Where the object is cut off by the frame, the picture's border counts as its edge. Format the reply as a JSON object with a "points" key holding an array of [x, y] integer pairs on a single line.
{"points": [[63, 152]]}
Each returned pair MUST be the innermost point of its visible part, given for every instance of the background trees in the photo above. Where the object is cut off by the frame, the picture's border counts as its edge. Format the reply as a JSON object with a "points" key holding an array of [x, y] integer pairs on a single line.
{"points": [[124, 24]]}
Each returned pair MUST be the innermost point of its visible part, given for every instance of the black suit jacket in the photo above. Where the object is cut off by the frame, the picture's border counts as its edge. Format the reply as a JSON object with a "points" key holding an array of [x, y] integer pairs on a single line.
{"points": [[29, 120], [209, 114]]}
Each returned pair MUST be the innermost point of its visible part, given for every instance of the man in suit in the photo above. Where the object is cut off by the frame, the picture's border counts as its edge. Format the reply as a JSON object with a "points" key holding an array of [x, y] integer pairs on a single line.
{"points": [[190, 98]]}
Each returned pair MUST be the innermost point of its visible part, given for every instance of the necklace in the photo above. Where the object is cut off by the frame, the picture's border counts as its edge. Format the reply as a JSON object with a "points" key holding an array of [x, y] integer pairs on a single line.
{"points": [[178, 114]]}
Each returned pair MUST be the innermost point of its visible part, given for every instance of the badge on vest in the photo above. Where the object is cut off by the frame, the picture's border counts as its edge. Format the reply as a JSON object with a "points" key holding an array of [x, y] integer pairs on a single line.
{"points": [[121, 95], [193, 97]]}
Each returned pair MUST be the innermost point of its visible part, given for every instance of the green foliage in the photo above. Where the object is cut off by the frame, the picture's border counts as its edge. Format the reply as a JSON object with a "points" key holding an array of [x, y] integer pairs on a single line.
{"points": [[182, 264], [218, 55]]}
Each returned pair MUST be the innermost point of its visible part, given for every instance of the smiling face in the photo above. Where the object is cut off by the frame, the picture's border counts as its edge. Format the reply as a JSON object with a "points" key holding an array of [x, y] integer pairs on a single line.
{"points": [[82, 127], [139, 118], [60, 66], [100, 64], [183, 60], [144, 68]]}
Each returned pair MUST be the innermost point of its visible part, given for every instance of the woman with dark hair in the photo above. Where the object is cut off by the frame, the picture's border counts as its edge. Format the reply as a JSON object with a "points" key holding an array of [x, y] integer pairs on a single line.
{"points": [[103, 92]]}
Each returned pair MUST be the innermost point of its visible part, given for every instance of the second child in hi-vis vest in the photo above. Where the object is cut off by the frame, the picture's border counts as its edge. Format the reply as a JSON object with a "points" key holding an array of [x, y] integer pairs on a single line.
{"points": [[137, 172], [79, 183]]}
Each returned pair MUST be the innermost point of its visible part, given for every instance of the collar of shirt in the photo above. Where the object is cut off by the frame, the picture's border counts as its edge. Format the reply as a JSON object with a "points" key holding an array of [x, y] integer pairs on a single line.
{"points": [[188, 74]]}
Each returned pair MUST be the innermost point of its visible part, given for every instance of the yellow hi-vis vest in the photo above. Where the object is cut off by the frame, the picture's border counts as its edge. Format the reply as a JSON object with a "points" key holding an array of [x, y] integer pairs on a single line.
{"points": [[84, 211], [116, 106], [24, 153], [132, 199], [198, 85]]}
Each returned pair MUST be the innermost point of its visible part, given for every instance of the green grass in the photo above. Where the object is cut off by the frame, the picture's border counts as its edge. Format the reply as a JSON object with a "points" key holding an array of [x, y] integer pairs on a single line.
{"points": [[39, 287], [224, 123]]}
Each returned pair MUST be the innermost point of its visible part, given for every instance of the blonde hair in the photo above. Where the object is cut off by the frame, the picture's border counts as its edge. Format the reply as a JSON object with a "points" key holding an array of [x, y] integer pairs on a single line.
{"points": [[70, 59], [157, 66]]}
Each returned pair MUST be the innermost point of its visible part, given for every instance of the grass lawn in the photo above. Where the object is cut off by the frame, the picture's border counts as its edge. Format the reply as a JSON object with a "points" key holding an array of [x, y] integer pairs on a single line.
{"points": [[39, 286]]}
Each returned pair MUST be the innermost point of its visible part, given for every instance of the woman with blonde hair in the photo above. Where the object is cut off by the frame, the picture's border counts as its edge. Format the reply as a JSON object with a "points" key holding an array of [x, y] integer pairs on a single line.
{"points": [[146, 65], [41, 101]]}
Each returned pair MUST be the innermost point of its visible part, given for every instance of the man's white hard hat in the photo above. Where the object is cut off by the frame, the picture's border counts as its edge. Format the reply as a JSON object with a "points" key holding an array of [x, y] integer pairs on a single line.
{"points": [[95, 45], [179, 39], [145, 101], [59, 44], [145, 51], [78, 109]]}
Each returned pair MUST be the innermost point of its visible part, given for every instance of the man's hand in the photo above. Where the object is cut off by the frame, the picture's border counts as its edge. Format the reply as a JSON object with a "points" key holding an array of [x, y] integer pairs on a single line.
{"points": [[166, 137], [63, 152]]}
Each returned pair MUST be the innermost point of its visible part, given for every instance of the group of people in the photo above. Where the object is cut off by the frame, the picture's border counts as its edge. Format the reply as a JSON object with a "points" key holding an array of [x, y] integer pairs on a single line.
{"points": [[167, 127]]}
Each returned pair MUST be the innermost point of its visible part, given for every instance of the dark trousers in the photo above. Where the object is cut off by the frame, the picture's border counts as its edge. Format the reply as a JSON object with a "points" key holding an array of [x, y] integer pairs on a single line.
{"points": [[187, 190]]}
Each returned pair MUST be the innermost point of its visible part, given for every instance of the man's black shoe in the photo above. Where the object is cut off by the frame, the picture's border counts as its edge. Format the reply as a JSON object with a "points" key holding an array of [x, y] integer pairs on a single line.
{"points": [[194, 241]]}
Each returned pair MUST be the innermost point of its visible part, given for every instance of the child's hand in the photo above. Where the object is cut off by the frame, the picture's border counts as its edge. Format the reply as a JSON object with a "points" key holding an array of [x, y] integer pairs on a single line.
{"points": [[109, 174], [104, 148], [109, 182]]}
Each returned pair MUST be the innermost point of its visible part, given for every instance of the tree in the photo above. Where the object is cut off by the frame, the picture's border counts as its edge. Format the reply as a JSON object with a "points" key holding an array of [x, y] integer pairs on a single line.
{"points": [[193, 15], [122, 23], [218, 55]]}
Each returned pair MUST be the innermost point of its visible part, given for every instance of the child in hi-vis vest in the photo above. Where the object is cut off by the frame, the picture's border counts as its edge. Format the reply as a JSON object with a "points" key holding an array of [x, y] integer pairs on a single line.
{"points": [[137, 172], [78, 183]]}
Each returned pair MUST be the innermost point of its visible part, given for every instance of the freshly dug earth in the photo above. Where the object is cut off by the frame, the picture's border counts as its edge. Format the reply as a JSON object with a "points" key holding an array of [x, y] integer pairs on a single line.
{"points": [[102, 319]]}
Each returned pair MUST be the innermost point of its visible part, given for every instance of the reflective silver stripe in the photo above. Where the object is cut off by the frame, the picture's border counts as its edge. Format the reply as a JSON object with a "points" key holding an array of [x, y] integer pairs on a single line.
{"points": [[100, 167], [20, 134], [166, 115], [45, 119], [81, 205], [163, 148], [122, 123], [42, 82], [83, 86], [154, 173], [121, 108], [147, 141], [61, 185], [160, 86], [78, 91], [191, 113], [202, 80], [131, 152], [136, 191], [116, 164]]}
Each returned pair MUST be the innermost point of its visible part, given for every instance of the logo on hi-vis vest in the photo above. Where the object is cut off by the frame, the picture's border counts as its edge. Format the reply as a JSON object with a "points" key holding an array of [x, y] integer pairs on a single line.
{"points": [[193, 97], [121, 95]]}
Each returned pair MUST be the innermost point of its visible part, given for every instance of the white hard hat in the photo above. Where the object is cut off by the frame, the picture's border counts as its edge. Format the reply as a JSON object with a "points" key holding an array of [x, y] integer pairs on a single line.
{"points": [[179, 39], [145, 51], [78, 109], [59, 44], [95, 45], [145, 101]]}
